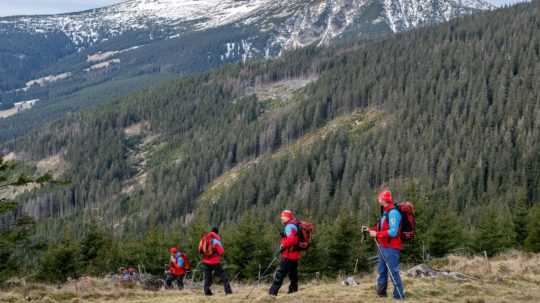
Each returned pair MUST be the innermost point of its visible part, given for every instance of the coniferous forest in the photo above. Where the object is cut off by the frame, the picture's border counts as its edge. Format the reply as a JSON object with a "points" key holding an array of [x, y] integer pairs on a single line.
{"points": [[447, 117]]}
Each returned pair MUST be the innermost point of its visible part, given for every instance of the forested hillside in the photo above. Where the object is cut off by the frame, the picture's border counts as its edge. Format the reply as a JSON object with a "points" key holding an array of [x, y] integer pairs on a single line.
{"points": [[446, 116], [70, 61]]}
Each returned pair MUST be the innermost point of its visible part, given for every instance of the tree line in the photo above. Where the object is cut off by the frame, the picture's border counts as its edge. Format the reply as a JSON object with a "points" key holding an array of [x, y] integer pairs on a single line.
{"points": [[339, 248]]}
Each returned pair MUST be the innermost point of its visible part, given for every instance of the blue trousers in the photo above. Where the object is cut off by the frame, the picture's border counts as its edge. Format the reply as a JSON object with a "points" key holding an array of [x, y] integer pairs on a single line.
{"points": [[392, 257]]}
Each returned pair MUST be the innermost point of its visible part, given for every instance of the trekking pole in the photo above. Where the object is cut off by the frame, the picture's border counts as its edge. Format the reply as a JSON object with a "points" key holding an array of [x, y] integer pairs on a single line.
{"points": [[276, 255], [194, 272], [389, 269]]}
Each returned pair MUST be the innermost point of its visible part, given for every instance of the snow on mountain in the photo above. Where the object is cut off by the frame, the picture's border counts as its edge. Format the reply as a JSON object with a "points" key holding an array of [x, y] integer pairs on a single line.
{"points": [[91, 26], [295, 23], [406, 14]]}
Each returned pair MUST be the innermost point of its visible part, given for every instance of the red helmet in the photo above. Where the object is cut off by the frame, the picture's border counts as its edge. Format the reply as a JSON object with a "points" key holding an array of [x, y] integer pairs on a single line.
{"points": [[386, 196], [173, 250], [287, 214]]}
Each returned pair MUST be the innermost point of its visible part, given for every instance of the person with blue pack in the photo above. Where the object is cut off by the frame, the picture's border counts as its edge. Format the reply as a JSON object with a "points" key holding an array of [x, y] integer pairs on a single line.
{"points": [[178, 265], [387, 235]]}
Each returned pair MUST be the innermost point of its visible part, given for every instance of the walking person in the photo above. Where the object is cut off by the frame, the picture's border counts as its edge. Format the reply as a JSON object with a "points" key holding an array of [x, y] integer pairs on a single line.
{"points": [[178, 265], [212, 249], [290, 254], [387, 234]]}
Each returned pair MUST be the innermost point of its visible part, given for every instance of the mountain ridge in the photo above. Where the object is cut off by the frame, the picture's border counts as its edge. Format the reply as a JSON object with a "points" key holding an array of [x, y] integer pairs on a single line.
{"points": [[200, 15]]}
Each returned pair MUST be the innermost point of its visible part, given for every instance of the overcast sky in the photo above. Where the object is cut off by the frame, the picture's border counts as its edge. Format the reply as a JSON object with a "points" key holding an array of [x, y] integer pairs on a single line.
{"points": [[32, 7]]}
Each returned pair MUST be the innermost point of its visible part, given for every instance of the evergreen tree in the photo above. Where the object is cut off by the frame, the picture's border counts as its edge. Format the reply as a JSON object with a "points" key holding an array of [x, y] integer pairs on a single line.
{"points": [[18, 253], [415, 250], [61, 261], [495, 232], [445, 233], [342, 242], [314, 259], [532, 242], [96, 250], [153, 253], [520, 212], [248, 247]]}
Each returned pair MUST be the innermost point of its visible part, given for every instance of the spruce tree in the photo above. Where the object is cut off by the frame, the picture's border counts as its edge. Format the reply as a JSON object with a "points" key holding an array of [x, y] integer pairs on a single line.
{"points": [[495, 232], [314, 259], [96, 249], [342, 242], [520, 216], [532, 242], [61, 260], [445, 233], [248, 248]]}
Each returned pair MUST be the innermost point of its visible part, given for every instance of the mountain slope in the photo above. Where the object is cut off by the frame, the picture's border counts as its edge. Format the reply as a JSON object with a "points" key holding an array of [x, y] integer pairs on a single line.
{"points": [[51, 58], [450, 110]]}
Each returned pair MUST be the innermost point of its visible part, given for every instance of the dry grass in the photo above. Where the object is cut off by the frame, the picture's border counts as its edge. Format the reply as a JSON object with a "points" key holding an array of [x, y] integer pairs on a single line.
{"points": [[136, 129], [512, 278], [8, 113], [55, 164], [11, 192], [282, 90]]}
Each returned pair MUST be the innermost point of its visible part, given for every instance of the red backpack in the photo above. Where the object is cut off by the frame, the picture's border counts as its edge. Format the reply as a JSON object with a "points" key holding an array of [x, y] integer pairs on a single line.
{"points": [[205, 245], [305, 234], [408, 222]]}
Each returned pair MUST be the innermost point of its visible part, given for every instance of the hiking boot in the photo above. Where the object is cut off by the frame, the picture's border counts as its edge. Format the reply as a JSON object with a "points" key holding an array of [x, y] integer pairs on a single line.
{"points": [[381, 291]]}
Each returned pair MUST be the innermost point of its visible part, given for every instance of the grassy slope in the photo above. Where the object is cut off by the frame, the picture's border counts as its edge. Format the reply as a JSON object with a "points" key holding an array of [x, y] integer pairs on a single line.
{"points": [[510, 278]]}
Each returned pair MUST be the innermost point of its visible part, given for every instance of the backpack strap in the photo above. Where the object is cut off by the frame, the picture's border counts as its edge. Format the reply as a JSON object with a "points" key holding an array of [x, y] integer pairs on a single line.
{"points": [[379, 226]]}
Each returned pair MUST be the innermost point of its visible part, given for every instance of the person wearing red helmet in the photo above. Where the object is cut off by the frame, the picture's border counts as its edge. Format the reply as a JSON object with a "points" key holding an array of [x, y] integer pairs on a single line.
{"points": [[387, 234], [178, 265], [290, 255]]}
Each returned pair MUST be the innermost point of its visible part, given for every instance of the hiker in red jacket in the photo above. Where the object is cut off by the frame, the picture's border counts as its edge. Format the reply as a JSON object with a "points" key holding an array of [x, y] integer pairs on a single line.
{"points": [[177, 268], [212, 249], [387, 233], [289, 254]]}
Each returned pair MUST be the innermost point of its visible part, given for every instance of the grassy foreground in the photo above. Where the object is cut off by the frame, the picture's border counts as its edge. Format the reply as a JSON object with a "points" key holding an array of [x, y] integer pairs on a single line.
{"points": [[514, 277]]}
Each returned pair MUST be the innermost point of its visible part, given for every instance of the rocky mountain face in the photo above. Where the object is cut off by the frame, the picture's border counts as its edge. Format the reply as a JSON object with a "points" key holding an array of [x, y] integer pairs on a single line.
{"points": [[293, 23]]}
